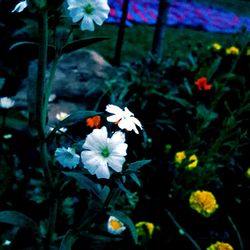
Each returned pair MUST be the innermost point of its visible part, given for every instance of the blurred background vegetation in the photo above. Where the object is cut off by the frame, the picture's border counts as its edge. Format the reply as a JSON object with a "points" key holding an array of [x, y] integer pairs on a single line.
{"points": [[178, 40]]}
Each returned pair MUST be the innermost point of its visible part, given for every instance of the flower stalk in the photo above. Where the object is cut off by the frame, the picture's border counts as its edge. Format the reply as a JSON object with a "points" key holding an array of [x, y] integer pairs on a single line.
{"points": [[42, 95]]}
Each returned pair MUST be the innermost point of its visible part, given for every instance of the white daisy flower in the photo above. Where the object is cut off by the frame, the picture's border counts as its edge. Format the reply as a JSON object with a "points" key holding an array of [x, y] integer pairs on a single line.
{"points": [[20, 6], [6, 102], [124, 118], [101, 152], [88, 11], [67, 157], [115, 226]]}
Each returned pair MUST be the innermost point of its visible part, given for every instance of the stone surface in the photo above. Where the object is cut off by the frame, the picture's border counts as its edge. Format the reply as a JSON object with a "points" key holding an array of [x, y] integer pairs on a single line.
{"points": [[79, 81]]}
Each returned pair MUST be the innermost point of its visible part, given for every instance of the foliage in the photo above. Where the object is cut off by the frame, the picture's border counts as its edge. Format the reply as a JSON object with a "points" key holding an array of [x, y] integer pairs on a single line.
{"points": [[49, 204]]}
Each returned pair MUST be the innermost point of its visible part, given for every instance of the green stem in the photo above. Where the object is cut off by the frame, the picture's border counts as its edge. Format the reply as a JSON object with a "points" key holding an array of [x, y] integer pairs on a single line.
{"points": [[237, 232], [41, 74], [42, 95], [51, 223], [49, 86], [40, 115], [182, 230]]}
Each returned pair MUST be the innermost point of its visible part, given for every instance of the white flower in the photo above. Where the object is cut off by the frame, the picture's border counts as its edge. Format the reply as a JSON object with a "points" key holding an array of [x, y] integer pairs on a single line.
{"points": [[115, 226], [102, 152], [6, 243], [61, 116], [58, 131], [20, 6], [6, 102], [52, 97], [89, 11], [125, 119], [67, 157]]}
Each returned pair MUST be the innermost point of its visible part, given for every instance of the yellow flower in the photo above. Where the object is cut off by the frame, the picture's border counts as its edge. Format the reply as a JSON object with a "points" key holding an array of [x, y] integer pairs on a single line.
{"points": [[179, 157], [145, 229], [232, 51], [220, 246], [216, 46], [248, 52], [194, 162], [203, 202], [248, 173]]}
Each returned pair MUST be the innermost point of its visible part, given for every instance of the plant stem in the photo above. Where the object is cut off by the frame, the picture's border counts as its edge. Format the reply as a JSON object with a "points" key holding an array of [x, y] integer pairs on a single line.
{"points": [[237, 232], [182, 230], [41, 74], [42, 95], [51, 223], [49, 86]]}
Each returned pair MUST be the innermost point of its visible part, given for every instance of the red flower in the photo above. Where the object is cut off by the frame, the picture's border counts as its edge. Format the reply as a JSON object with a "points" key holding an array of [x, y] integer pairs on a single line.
{"points": [[202, 84], [94, 122]]}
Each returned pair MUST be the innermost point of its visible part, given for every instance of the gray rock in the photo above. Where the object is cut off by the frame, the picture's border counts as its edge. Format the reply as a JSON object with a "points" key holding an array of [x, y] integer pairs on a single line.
{"points": [[79, 82]]}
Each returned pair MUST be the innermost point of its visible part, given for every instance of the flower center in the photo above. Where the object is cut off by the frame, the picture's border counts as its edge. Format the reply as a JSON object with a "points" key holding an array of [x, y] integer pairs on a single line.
{"points": [[88, 8], [105, 152], [115, 224]]}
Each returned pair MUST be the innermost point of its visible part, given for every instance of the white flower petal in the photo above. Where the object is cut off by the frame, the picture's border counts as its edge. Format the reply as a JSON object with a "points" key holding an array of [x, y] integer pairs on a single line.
{"points": [[76, 14], [87, 24], [114, 109], [67, 157], [128, 125], [128, 112], [116, 162], [91, 161], [136, 121], [114, 118], [98, 20], [102, 172], [118, 137], [74, 4], [96, 140], [20, 6]]}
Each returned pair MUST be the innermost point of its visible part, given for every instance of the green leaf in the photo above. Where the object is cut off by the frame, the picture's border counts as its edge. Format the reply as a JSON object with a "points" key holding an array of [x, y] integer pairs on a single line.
{"points": [[135, 166], [14, 120], [206, 115], [104, 193], [135, 179], [84, 182], [2, 81], [18, 219], [68, 240], [213, 68], [75, 45], [171, 97], [32, 47], [187, 86], [122, 187], [76, 117], [127, 221]]}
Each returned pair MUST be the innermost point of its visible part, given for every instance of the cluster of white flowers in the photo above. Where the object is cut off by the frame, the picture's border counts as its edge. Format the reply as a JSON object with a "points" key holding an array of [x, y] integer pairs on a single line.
{"points": [[84, 11], [100, 153], [103, 154]]}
